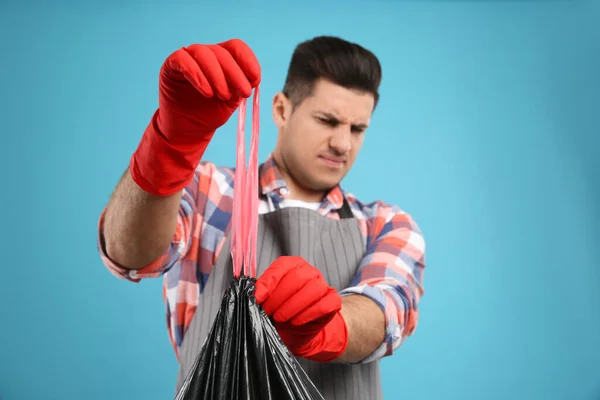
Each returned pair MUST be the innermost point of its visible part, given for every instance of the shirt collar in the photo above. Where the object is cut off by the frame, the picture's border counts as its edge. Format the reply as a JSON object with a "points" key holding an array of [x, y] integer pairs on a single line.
{"points": [[272, 183]]}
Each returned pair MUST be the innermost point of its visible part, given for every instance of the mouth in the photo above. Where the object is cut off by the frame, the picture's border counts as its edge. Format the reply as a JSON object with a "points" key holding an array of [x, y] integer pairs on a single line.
{"points": [[334, 162]]}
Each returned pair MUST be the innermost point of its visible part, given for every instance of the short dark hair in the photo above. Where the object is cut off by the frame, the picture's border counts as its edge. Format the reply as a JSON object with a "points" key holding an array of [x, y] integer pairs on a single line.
{"points": [[334, 59]]}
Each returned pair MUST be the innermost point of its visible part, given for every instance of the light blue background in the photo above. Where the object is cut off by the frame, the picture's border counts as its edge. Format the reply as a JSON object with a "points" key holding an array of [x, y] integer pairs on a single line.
{"points": [[487, 133]]}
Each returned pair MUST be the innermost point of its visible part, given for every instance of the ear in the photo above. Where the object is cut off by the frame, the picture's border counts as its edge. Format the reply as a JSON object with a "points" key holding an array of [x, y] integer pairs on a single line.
{"points": [[282, 109]]}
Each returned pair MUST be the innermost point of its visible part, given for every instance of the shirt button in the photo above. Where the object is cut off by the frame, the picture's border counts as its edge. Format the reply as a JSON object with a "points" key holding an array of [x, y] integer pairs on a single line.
{"points": [[283, 191]]}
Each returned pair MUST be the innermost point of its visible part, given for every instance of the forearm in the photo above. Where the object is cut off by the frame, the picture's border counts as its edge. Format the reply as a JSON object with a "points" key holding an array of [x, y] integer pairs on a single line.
{"points": [[366, 327], [138, 226]]}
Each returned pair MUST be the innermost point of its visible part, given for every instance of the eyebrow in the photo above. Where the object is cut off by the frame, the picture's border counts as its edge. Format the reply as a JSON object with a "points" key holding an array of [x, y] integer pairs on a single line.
{"points": [[332, 116]]}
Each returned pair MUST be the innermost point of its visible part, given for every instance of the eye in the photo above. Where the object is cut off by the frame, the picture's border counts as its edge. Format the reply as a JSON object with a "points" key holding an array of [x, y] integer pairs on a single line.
{"points": [[357, 129], [328, 121]]}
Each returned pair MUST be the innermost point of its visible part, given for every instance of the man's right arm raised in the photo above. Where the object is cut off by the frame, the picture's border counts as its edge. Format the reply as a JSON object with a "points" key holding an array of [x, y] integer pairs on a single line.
{"points": [[147, 221]]}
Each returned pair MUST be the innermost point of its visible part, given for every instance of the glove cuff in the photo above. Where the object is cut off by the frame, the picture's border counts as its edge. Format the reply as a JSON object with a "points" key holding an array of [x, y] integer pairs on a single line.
{"points": [[162, 168], [330, 343]]}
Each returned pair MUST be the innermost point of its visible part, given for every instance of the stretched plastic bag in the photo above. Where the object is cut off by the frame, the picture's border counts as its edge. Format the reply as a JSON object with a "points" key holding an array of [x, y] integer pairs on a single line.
{"points": [[243, 356]]}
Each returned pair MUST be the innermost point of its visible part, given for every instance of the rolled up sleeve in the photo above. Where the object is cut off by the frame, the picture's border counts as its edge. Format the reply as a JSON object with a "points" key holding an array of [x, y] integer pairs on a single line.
{"points": [[391, 274], [175, 252]]}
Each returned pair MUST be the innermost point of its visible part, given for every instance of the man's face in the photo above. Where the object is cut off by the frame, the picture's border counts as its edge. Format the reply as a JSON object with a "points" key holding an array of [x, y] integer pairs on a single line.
{"points": [[320, 139]]}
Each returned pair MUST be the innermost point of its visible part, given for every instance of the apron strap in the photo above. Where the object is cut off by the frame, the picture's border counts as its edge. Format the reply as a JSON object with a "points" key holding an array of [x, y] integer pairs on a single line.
{"points": [[345, 212]]}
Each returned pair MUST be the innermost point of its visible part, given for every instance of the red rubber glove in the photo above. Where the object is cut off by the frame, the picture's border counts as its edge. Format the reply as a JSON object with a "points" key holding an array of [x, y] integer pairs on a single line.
{"points": [[200, 87], [305, 310]]}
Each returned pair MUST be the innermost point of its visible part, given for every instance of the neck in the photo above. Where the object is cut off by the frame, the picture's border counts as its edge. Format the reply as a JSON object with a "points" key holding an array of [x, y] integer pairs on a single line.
{"points": [[296, 191]]}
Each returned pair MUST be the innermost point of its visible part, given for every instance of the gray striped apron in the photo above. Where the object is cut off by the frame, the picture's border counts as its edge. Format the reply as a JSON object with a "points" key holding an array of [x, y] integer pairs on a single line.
{"points": [[336, 247]]}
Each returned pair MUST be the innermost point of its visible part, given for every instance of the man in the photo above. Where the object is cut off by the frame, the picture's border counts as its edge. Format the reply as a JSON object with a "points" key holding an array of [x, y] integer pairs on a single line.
{"points": [[340, 278]]}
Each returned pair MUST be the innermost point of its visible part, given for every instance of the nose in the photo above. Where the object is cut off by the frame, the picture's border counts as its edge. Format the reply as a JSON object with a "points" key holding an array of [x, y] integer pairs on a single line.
{"points": [[341, 140]]}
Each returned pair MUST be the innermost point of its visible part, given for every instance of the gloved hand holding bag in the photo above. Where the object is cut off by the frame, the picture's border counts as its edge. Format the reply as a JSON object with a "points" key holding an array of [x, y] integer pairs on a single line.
{"points": [[200, 87]]}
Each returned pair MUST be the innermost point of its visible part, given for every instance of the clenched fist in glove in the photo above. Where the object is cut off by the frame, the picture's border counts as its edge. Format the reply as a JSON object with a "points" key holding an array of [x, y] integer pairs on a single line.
{"points": [[304, 308], [200, 87]]}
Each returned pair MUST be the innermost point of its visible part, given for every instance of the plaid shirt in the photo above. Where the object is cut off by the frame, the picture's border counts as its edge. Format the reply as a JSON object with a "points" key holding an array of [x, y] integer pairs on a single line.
{"points": [[390, 273]]}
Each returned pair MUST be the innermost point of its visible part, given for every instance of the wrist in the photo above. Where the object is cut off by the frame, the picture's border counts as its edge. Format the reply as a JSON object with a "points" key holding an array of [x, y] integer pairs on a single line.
{"points": [[330, 343], [161, 167]]}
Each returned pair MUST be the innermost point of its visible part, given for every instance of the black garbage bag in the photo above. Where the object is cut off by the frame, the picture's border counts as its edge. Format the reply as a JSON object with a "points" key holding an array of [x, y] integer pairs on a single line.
{"points": [[243, 356]]}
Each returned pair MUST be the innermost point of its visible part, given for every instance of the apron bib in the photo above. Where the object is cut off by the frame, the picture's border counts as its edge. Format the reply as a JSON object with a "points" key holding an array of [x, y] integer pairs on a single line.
{"points": [[336, 248]]}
